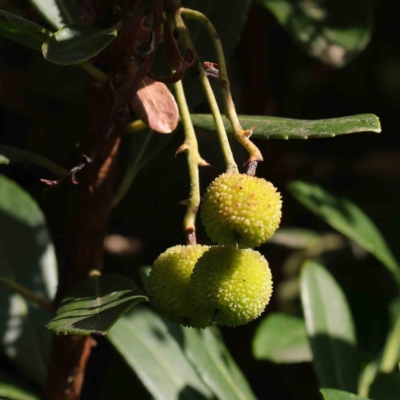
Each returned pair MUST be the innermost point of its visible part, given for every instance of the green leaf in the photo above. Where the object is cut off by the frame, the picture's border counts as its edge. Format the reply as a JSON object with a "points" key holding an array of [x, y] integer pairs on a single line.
{"points": [[213, 362], [386, 387], [282, 338], [295, 238], [57, 12], [329, 30], [348, 219], [287, 128], [95, 305], [75, 44], [22, 31], [143, 339], [10, 389], [330, 328], [333, 394], [27, 257], [10, 154]]}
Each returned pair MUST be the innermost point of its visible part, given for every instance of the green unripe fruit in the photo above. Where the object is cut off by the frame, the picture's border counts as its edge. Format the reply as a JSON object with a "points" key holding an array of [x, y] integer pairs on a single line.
{"points": [[169, 281], [230, 286], [241, 210]]}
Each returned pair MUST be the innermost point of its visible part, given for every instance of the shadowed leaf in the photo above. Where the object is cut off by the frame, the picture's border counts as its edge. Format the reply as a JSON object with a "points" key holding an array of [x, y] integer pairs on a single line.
{"points": [[144, 341], [11, 389], [348, 219], [330, 328], [287, 128], [22, 31], [210, 357], [95, 305], [295, 238], [75, 44], [282, 338], [333, 394], [26, 257], [329, 30]]}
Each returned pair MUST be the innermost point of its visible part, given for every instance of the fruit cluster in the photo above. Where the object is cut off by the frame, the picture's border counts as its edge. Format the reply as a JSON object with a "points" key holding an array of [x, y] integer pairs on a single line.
{"points": [[227, 284]]}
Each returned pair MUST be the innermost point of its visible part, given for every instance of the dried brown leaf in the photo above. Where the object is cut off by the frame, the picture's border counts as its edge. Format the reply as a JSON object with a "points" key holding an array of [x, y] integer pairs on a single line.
{"points": [[155, 105]]}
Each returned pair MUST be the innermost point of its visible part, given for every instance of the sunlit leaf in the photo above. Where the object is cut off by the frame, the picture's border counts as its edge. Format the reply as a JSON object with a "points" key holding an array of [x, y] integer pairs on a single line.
{"points": [[287, 128], [75, 44], [348, 219], [27, 257], [213, 362], [330, 328], [329, 30], [282, 338], [10, 154], [57, 12], [95, 305], [333, 394], [144, 341], [22, 31]]}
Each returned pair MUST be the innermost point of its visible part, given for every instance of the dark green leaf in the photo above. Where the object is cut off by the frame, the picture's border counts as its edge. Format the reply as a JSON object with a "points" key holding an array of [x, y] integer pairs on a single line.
{"points": [[10, 389], [27, 257], [10, 154], [143, 339], [95, 305], [329, 30], [287, 128], [213, 362], [333, 394], [295, 238], [282, 338], [330, 328], [348, 219], [75, 44], [57, 12], [386, 387], [22, 31]]}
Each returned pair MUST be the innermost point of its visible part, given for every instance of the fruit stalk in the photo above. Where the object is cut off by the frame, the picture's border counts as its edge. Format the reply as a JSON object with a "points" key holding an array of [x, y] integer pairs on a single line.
{"points": [[194, 161], [184, 35], [242, 135]]}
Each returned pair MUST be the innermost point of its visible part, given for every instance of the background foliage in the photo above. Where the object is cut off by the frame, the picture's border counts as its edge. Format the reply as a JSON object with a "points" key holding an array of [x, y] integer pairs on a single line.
{"points": [[276, 71]]}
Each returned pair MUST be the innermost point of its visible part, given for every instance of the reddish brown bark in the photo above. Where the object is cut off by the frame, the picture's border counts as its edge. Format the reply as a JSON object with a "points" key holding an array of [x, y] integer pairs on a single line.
{"points": [[89, 202], [88, 210]]}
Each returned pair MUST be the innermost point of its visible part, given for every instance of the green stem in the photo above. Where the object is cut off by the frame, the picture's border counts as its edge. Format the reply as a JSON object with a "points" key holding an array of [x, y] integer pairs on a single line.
{"points": [[392, 348], [184, 34], [194, 161], [242, 135], [13, 154], [28, 294], [94, 72], [135, 126]]}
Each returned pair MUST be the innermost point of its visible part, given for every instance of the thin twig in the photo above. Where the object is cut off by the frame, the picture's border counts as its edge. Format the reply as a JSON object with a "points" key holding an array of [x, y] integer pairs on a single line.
{"points": [[194, 161], [27, 293], [184, 35], [242, 135]]}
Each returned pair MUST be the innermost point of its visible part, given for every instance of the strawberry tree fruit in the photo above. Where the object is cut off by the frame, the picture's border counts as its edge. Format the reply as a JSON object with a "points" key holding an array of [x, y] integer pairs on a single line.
{"points": [[169, 282], [241, 210], [229, 286]]}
